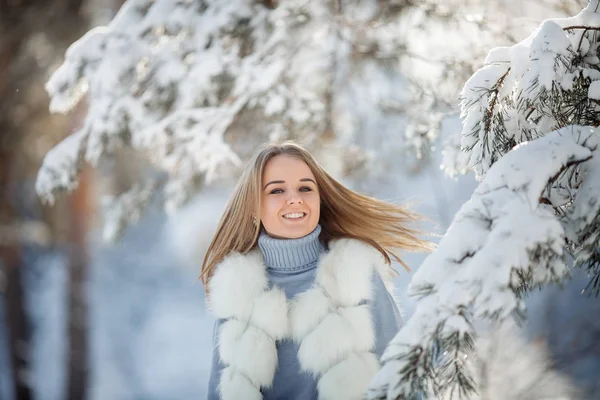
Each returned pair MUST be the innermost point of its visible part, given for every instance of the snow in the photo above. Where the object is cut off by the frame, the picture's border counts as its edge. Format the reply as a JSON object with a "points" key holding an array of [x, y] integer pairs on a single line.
{"points": [[125, 210], [548, 47], [512, 76], [594, 90], [544, 156], [61, 167]]}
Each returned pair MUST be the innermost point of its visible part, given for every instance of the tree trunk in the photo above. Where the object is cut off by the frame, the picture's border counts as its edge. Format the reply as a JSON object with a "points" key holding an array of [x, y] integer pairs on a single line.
{"points": [[61, 21], [19, 332], [17, 322], [77, 350], [79, 222]]}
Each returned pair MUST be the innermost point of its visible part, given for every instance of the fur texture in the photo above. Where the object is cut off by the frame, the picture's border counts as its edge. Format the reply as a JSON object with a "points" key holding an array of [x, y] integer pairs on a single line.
{"points": [[329, 321]]}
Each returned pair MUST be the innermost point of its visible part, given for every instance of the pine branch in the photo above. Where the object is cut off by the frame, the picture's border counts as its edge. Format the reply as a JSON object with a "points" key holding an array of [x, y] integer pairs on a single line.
{"points": [[453, 370], [593, 270], [587, 28], [494, 93]]}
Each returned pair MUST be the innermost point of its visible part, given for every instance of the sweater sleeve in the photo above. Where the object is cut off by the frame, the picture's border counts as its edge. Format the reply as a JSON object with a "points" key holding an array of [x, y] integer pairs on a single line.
{"points": [[217, 365], [387, 320]]}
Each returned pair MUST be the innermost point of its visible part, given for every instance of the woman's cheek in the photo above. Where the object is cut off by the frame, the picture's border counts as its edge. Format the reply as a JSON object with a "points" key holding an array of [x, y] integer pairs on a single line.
{"points": [[273, 206], [312, 197]]}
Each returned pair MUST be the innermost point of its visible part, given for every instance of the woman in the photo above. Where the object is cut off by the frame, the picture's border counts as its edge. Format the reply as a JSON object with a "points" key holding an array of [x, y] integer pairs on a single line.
{"points": [[295, 277]]}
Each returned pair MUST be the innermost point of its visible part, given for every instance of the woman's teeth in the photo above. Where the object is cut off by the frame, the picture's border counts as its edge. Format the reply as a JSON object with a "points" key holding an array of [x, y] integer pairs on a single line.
{"points": [[294, 215]]}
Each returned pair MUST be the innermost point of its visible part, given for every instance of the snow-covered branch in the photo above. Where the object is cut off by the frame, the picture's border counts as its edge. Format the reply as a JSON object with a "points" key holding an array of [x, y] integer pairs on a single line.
{"points": [[169, 78], [502, 242], [195, 85], [529, 131], [547, 81]]}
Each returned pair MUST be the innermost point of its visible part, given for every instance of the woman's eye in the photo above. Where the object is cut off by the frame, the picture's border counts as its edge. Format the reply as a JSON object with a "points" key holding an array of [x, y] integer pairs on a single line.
{"points": [[305, 189], [276, 191]]}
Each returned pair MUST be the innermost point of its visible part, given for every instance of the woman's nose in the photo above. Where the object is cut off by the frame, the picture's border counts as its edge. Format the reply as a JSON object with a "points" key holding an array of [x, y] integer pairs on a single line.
{"points": [[294, 199]]}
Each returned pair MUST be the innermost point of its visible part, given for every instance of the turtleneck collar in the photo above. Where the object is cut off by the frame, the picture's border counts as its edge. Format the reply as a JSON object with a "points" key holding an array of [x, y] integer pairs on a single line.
{"points": [[291, 255]]}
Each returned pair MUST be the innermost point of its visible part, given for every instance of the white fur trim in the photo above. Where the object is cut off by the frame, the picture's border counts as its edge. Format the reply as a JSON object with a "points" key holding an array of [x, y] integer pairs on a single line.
{"points": [[335, 337], [345, 272], [234, 386], [326, 345], [359, 318], [232, 289], [349, 379], [240, 343], [270, 313], [230, 333], [260, 370], [306, 311], [255, 318]]}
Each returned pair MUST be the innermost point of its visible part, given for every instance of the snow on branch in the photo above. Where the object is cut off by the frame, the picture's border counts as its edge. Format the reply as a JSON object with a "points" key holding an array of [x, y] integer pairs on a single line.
{"points": [[61, 166], [582, 222], [126, 209], [169, 78], [502, 242], [548, 81]]}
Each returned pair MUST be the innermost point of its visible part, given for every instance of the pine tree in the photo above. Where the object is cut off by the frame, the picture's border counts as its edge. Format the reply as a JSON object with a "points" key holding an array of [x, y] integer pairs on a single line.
{"points": [[530, 119]]}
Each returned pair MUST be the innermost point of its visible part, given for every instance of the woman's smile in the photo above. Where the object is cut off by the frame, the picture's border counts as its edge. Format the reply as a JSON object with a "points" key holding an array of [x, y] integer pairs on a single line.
{"points": [[295, 216]]}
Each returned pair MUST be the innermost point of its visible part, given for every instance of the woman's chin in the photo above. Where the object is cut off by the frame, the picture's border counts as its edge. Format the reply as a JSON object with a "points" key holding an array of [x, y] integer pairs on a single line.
{"points": [[291, 233]]}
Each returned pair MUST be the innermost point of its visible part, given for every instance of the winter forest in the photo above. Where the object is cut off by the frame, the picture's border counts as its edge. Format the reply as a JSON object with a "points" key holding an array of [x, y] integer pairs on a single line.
{"points": [[124, 125]]}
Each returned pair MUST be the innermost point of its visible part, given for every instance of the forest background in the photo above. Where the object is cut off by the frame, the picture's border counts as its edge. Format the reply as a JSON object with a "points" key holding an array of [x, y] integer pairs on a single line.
{"points": [[98, 291]]}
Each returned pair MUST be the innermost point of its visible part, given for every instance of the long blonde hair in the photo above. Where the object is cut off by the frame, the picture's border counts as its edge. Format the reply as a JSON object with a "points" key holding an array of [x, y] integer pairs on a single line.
{"points": [[344, 214]]}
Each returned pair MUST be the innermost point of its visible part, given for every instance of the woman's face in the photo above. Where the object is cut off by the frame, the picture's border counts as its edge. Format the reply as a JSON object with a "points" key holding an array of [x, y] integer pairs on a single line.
{"points": [[290, 206]]}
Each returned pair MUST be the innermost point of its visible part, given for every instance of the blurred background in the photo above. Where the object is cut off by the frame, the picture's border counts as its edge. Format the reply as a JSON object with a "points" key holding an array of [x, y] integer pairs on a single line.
{"points": [[83, 318]]}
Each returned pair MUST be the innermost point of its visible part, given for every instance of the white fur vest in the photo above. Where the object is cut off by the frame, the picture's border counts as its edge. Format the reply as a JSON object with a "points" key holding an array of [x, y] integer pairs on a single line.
{"points": [[329, 321]]}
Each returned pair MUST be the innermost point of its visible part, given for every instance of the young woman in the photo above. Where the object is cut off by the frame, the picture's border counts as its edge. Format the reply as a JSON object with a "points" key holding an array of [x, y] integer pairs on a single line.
{"points": [[296, 276]]}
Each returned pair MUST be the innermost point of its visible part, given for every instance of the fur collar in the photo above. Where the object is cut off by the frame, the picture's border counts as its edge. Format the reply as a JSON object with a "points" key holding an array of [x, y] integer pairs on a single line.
{"points": [[329, 321]]}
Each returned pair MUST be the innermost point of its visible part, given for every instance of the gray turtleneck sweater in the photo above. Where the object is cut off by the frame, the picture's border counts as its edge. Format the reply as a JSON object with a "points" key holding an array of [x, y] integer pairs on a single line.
{"points": [[292, 266]]}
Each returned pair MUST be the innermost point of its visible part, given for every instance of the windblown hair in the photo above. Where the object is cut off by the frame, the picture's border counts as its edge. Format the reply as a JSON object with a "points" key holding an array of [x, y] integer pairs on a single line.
{"points": [[344, 214]]}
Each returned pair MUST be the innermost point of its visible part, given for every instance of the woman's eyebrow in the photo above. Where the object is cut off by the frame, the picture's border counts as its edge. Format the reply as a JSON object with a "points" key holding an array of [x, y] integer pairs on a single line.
{"points": [[272, 182], [301, 180]]}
